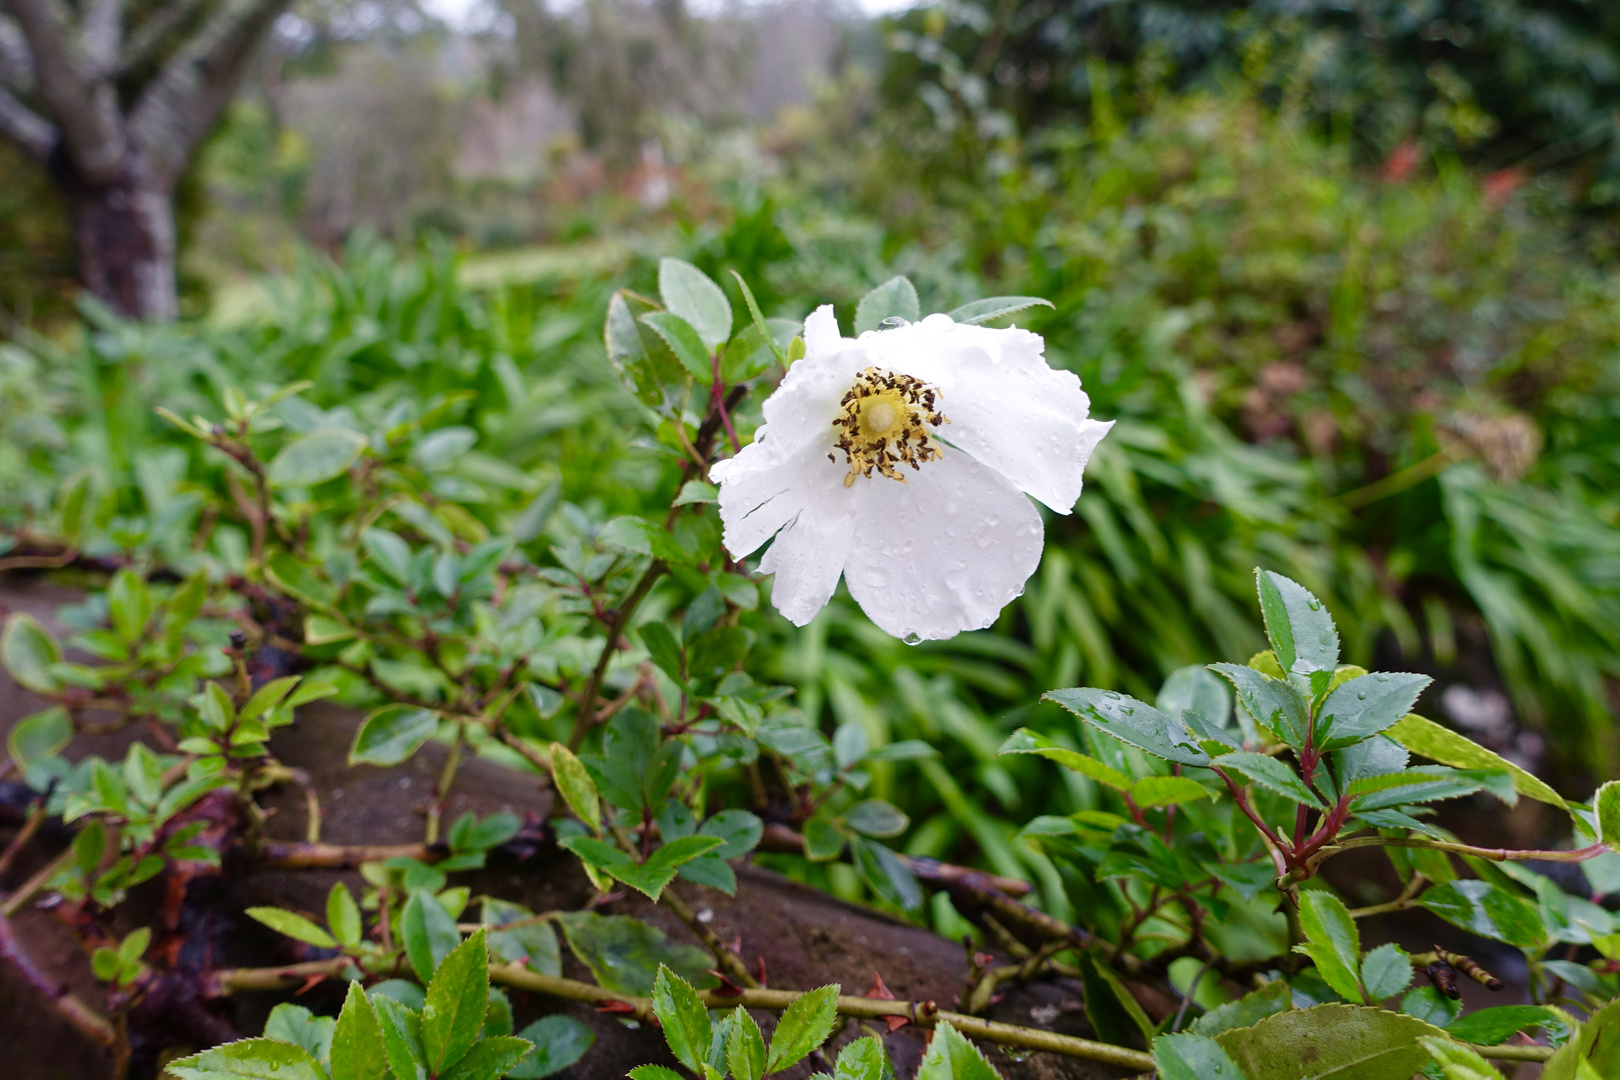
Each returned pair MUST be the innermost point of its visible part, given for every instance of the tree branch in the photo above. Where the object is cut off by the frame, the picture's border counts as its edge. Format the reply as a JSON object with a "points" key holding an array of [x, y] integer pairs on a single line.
{"points": [[67, 1005], [145, 40], [181, 104], [85, 107], [101, 33], [30, 131]]}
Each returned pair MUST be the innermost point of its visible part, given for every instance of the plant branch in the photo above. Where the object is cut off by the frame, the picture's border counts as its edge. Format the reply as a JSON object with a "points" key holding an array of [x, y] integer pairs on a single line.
{"points": [[68, 1006], [302, 856], [729, 961], [586, 718]]}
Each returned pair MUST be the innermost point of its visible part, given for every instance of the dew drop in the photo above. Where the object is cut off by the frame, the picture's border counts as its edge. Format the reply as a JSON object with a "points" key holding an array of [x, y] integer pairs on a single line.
{"points": [[912, 638]]}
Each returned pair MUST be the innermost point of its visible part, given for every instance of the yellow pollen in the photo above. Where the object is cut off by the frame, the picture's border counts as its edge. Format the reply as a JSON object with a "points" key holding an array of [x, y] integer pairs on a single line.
{"points": [[882, 424]]}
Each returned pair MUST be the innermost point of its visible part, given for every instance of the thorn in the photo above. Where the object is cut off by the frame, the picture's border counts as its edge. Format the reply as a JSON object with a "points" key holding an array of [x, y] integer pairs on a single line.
{"points": [[879, 990], [763, 982], [895, 1023], [620, 1007], [727, 988], [309, 984]]}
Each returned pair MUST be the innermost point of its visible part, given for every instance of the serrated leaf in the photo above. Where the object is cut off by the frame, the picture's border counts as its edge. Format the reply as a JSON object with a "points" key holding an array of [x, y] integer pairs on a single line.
{"points": [[863, 1059], [1190, 1056], [1300, 627], [745, 1047], [299, 1026], [489, 1058], [803, 1026], [640, 358], [1272, 703], [391, 734], [357, 1041], [994, 307], [1386, 971], [1596, 1046], [683, 341], [951, 1057], [683, 1017], [457, 997], [1248, 1010], [1330, 1042], [534, 943], [1270, 774], [559, 1041], [691, 294], [250, 1059], [1332, 941], [316, 458], [1458, 1062], [624, 953], [1366, 706], [1026, 741], [429, 933], [650, 877], [1134, 722], [293, 925], [1606, 805], [895, 298], [401, 1028], [1152, 791]]}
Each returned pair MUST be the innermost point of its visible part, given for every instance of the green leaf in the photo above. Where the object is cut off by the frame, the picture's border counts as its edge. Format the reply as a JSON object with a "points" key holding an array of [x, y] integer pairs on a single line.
{"points": [[691, 294], [357, 1041], [1427, 783], [1458, 1062], [1487, 910], [267, 697], [653, 1072], [559, 1041], [665, 650], [951, 1057], [895, 298], [683, 1017], [683, 341], [1606, 804], [1190, 1056], [1248, 1010], [739, 829], [1270, 774], [1441, 744], [457, 998], [1488, 1027], [315, 458], [391, 554], [1112, 1009], [1133, 722], [803, 1026], [861, 1059], [1151, 791], [489, 1058], [429, 933], [1596, 1045], [129, 605], [650, 877], [1332, 941], [42, 735], [994, 307], [576, 787], [250, 1059], [745, 1047], [1273, 703], [1301, 629], [695, 492], [28, 650], [762, 325], [750, 353], [1330, 1042], [343, 915], [294, 926], [1385, 972], [401, 1028], [640, 358], [390, 735], [1366, 706], [875, 817], [624, 953], [534, 943], [299, 1026], [884, 871], [1026, 741]]}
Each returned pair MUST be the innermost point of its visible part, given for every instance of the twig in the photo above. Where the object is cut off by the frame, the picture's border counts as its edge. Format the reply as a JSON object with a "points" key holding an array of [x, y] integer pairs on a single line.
{"points": [[225, 982], [25, 892], [730, 962], [68, 1006], [586, 717], [296, 856], [36, 817]]}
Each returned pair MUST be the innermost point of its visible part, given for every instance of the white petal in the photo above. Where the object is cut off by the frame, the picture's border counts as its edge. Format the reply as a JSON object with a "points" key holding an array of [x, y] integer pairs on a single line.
{"points": [[1005, 405], [943, 552], [809, 553], [821, 334]]}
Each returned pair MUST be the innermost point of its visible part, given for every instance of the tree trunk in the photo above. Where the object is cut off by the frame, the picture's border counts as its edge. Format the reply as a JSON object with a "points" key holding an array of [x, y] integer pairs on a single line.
{"points": [[124, 234]]}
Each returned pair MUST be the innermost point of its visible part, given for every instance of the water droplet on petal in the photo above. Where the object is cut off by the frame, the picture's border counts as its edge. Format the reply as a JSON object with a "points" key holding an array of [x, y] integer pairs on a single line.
{"points": [[912, 638]]}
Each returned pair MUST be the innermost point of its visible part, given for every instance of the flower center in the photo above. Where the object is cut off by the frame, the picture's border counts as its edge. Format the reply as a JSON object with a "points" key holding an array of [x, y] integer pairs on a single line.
{"points": [[881, 424]]}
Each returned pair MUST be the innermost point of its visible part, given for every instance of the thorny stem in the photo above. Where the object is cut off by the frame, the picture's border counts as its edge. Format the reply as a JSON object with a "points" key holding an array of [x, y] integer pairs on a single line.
{"points": [[729, 961]]}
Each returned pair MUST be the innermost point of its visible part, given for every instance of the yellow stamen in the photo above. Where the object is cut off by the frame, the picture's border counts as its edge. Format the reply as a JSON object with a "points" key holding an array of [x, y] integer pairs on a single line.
{"points": [[881, 424]]}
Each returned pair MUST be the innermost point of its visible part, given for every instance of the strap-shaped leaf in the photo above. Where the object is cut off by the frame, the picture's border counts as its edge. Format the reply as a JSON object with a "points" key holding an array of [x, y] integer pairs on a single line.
{"points": [[1134, 722], [994, 307], [1273, 703], [1270, 774], [1365, 706], [1429, 739], [1426, 783]]}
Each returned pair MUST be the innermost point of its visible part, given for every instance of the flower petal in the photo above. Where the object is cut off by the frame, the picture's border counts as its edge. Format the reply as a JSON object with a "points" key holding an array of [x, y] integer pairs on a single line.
{"points": [[1005, 405], [943, 552]]}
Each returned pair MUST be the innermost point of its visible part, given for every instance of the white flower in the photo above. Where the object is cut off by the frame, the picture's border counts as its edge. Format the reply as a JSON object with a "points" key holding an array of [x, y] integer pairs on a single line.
{"points": [[901, 461]]}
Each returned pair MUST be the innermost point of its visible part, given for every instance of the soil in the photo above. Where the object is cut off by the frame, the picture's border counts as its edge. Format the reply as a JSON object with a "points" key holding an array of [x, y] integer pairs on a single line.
{"points": [[806, 938]]}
